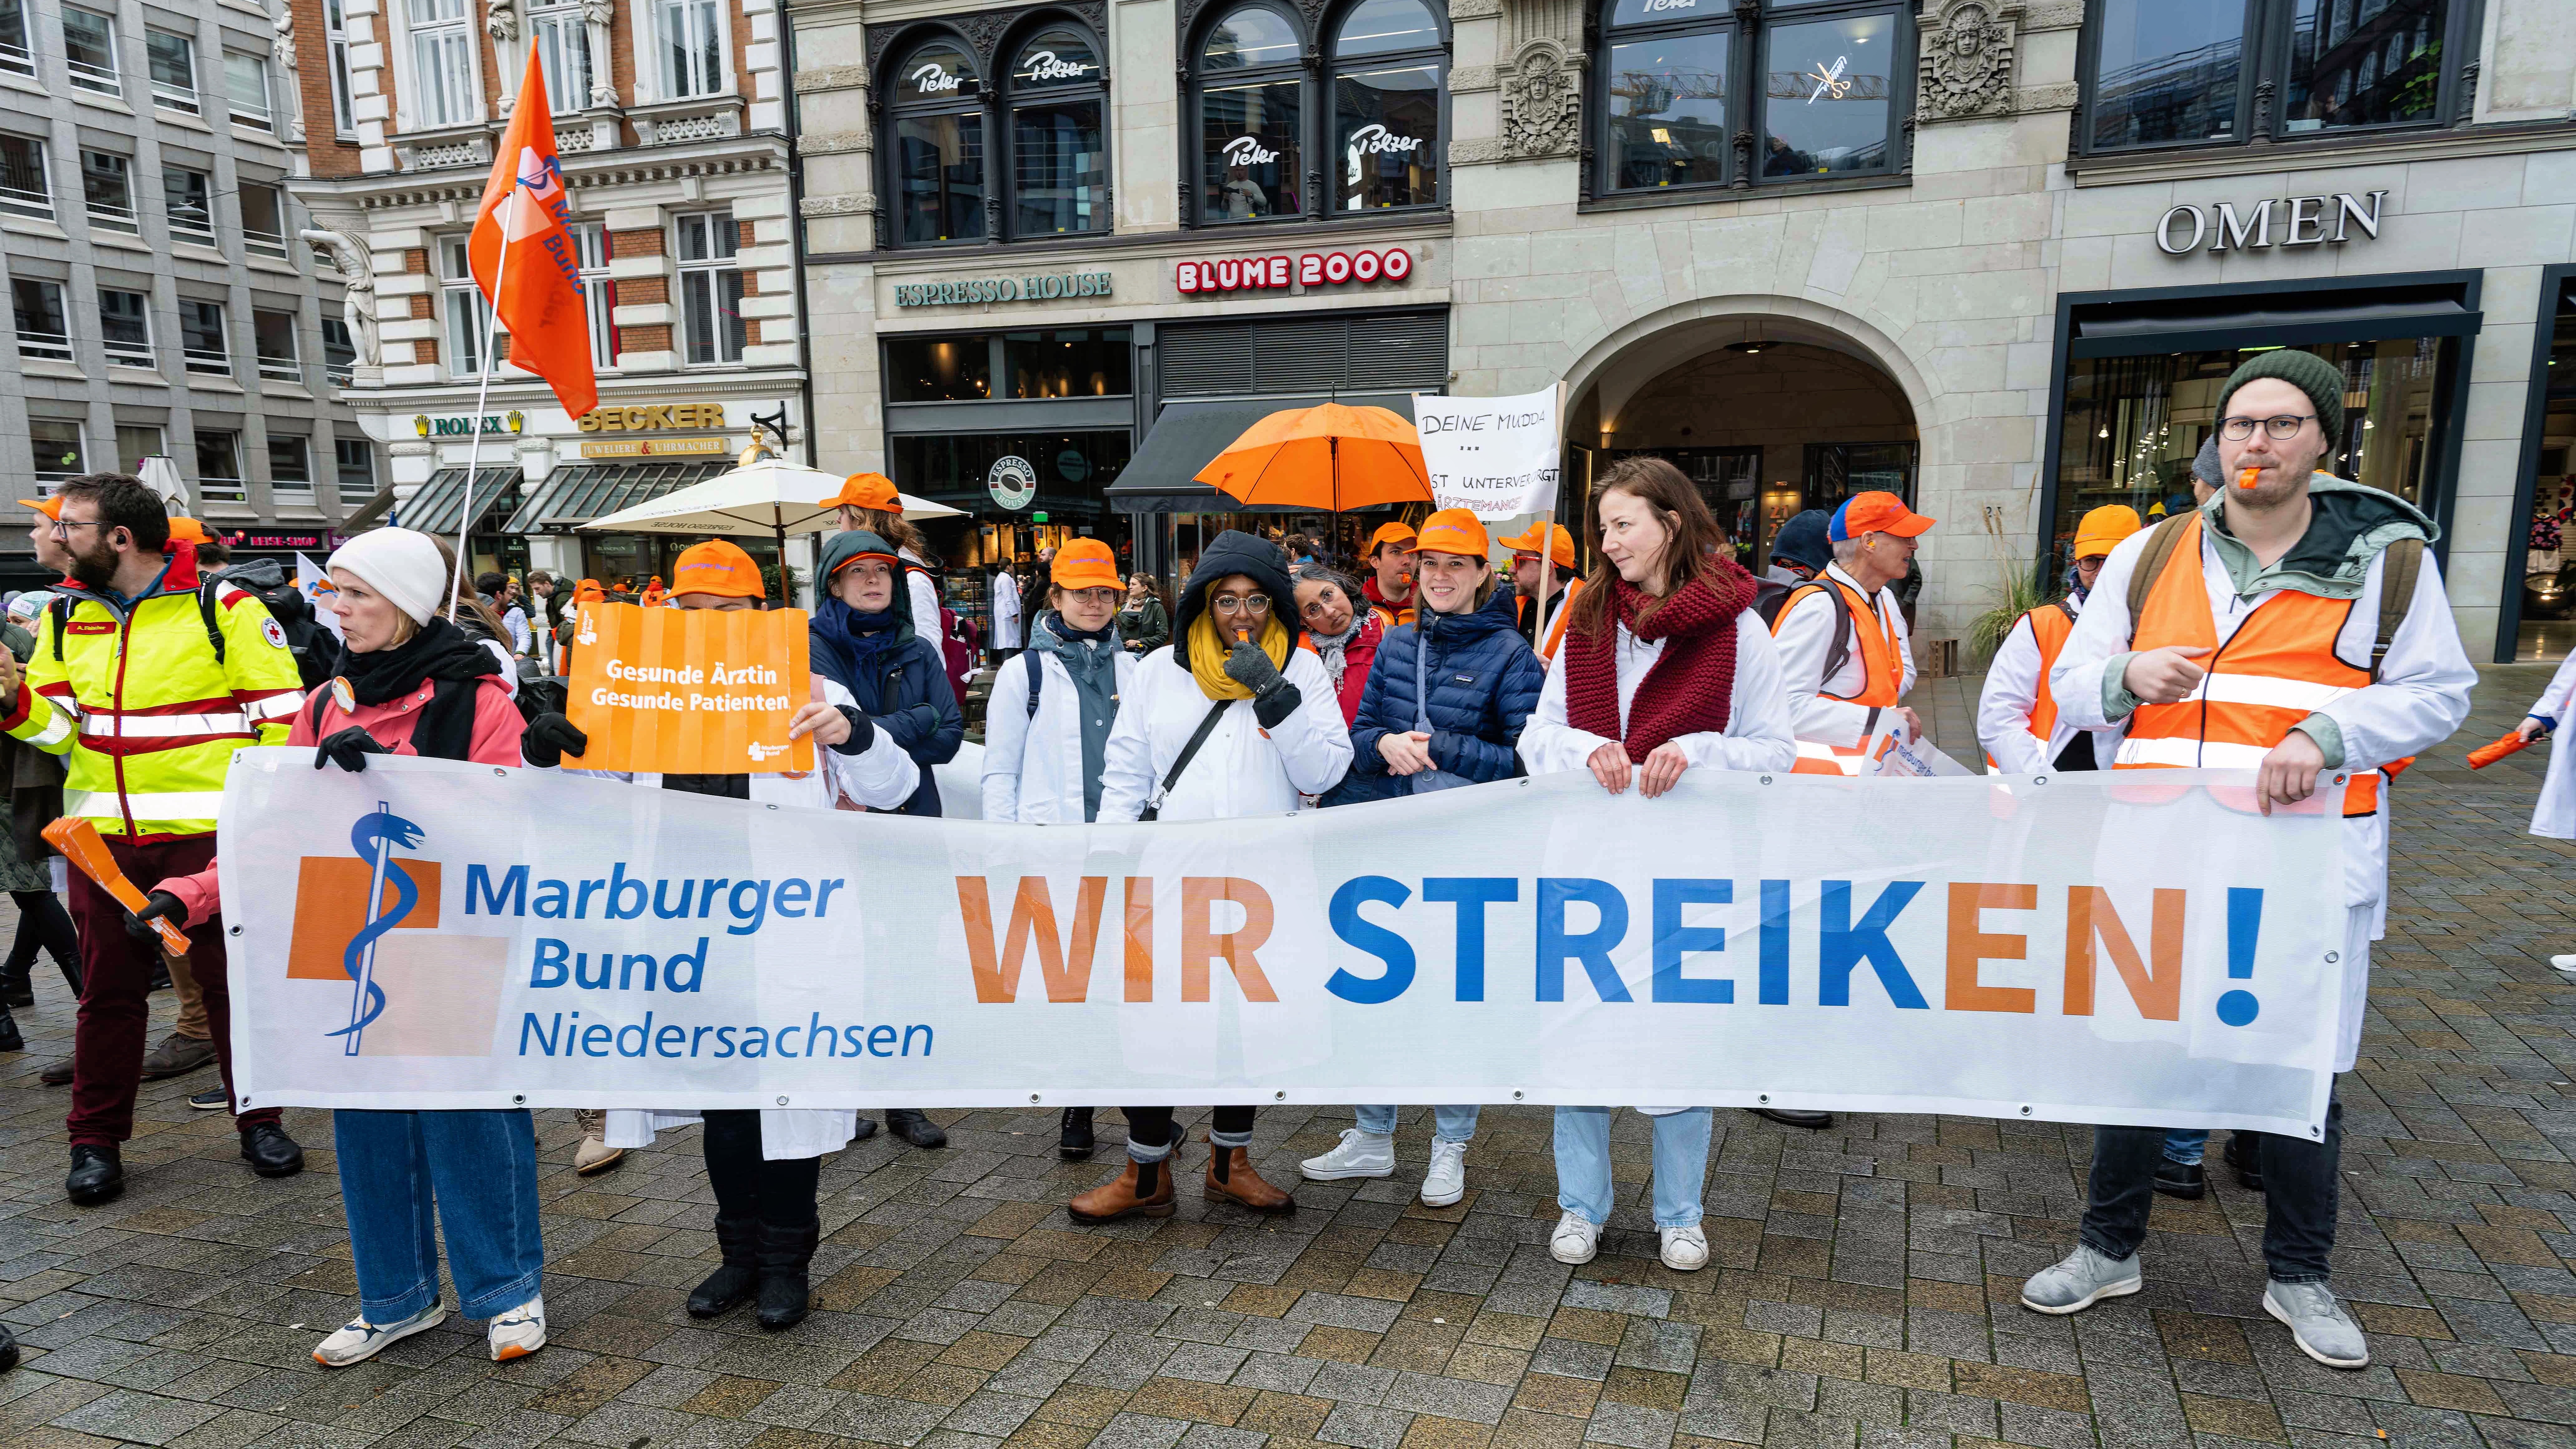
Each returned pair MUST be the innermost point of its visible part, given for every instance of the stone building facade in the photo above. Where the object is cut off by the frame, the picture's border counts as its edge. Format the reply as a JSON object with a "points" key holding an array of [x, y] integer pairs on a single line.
{"points": [[670, 117], [162, 303], [1993, 253]]}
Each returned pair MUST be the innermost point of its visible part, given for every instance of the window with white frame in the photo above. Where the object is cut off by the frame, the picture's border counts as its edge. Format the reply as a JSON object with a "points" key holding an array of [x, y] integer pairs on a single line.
{"points": [[136, 442], [563, 44], [710, 290], [339, 352], [202, 343], [59, 451], [43, 330], [354, 463], [690, 37], [442, 64], [107, 189], [172, 60], [125, 321], [23, 191], [335, 30], [246, 90], [469, 315], [89, 51], [290, 469], [219, 473], [598, 294], [16, 55], [272, 336], [263, 209]]}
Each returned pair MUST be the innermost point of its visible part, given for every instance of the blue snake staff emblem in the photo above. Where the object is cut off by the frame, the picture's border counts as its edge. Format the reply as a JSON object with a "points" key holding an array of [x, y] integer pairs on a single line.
{"points": [[374, 838]]}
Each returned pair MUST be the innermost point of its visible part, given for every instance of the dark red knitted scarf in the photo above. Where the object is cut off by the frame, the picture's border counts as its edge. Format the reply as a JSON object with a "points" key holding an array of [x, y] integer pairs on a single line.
{"points": [[1688, 689]]}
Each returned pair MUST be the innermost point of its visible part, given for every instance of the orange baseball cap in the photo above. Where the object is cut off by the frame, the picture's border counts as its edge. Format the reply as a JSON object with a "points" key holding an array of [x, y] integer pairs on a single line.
{"points": [[867, 490], [589, 591], [1390, 533], [719, 568], [2104, 527], [1560, 543], [50, 507], [1875, 512], [189, 530], [1085, 563], [1453, 530]]}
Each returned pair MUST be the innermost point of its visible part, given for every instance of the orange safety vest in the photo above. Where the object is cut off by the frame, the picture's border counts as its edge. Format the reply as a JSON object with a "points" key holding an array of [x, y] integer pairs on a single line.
{"points": [[2278, 668], [1556, 626], [2052, 625], [1882, 674]]}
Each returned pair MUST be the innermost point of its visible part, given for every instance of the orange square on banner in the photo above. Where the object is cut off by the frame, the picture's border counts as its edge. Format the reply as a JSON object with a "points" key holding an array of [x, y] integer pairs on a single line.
{"points": [[331, 905], [690, 691]]}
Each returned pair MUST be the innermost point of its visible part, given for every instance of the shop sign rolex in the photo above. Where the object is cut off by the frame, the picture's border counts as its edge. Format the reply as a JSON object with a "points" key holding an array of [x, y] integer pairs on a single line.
{"points": [[2297, 221]]}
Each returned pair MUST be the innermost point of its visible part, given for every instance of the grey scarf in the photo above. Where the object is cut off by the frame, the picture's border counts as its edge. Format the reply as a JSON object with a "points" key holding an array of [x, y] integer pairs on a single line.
{"points": [[1329, 647], [1092, 661]]}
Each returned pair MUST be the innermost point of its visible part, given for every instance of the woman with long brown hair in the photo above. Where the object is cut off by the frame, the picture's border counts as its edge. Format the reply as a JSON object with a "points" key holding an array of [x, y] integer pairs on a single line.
{"points": [[868, 503], [1665, 669]]}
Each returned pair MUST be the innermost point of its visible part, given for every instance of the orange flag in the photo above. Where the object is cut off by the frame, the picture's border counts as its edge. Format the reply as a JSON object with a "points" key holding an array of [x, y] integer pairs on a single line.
{"points": [[537, 292]]}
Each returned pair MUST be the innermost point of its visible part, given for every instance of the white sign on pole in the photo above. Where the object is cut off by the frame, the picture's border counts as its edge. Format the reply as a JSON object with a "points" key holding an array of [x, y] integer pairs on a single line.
{"points": [[1497, 457]]}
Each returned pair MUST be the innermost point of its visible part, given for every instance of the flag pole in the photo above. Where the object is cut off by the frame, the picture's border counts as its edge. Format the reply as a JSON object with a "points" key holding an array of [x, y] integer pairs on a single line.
{"points": [[474, 454]]}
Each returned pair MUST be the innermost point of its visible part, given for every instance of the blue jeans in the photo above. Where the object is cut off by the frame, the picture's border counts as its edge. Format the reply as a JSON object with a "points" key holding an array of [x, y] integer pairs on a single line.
{"points": [[479, 1171], [2186, 1145], [1583, 1164], [1448, 1124]]}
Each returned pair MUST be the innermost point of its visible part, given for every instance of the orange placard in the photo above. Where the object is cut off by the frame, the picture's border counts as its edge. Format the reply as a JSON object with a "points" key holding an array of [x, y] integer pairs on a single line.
{"points": [[689, 691]]}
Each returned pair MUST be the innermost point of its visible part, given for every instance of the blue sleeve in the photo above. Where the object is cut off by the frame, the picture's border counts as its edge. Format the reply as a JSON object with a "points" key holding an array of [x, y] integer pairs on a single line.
{"points": [[930, 730], [1515, 698], [1373, 723]]}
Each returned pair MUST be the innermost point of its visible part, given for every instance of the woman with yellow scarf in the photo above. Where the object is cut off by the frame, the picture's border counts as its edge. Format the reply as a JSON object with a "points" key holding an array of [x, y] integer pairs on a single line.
{"points": [[1230, 719]]}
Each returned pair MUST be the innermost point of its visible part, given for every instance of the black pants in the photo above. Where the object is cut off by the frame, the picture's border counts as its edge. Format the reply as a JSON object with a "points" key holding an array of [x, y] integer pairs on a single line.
{"points": [[1149, 1130], [778, 1191], [2299, 1187], [42, 922]]}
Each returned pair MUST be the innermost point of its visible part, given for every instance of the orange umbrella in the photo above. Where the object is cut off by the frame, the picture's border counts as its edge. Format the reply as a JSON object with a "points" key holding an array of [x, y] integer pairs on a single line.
{"points": [[1327, 458]]}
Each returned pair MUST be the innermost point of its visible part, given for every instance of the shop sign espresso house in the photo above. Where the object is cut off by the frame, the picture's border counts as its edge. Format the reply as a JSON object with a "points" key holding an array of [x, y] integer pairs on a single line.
{"points": [[1276, 272], [1047, 287]]}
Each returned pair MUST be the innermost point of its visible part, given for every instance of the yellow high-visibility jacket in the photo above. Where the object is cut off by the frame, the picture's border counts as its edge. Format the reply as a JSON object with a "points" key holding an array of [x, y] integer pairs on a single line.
{"points": [[145, 715]]}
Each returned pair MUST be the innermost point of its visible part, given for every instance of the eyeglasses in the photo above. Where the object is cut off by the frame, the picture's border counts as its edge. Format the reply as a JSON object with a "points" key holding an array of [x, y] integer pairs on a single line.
{"points": [[63, 526], [1096, 596], [1246, 604], [1319, 608], [2280, 430]]}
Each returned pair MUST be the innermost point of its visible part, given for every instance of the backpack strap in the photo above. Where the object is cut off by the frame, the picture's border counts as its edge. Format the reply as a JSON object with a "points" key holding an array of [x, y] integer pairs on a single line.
{"points": [[2066, 607], [2161, 543], [1154, 807], [55, 609], [1838, 653], [2404, 563], [214, 629], [1037, 679]]}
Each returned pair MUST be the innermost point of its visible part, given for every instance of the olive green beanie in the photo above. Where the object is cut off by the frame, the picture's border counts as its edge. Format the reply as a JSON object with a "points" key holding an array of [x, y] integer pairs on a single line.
{"points": [[2321, 380]]}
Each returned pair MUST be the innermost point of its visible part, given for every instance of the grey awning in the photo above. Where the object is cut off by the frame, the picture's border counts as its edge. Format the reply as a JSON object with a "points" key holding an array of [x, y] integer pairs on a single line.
{"points": [[439, 505], [1187, 436], [576, 493], [2285, 316]]}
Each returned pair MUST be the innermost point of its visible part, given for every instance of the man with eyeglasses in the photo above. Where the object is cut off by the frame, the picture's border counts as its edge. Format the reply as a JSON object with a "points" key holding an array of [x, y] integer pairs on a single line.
{"points": [[2293, 625], [147, 708]]}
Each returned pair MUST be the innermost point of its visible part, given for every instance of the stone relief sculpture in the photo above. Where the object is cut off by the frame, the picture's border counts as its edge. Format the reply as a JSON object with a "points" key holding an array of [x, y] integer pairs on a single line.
{"points": [[503, 21], [1539, 115], [1967, 66], [357, 288]]}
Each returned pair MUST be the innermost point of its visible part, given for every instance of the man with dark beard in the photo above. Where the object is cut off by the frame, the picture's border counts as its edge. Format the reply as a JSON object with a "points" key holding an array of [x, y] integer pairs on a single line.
{"points": [[147, 708]]}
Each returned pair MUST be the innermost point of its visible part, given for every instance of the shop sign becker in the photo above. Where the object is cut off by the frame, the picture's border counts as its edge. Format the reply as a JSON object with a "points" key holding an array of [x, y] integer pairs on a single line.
{"points": [[2306, 221], [656, 447], [1278, 271], [651, 418]]}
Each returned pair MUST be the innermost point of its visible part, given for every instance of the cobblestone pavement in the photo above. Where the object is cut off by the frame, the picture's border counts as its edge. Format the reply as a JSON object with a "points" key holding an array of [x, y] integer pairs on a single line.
{"points": [[1861, 1293]]}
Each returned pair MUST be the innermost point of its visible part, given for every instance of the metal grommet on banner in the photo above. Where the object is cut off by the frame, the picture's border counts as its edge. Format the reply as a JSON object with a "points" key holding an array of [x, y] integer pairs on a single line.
{"points": [[2333, 956], [1766, 779], [1764, 1098], [232, 930], [2025, 1110], [1279, 1096], [519, 1099], [2039, 779], [1516, 1095], [2339, 779], [499, 773], [1033, 1099], [782, 1101], [245, 1102]]}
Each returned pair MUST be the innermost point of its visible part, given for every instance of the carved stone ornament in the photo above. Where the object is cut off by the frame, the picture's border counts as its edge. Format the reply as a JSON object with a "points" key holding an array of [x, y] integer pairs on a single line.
{"points": [[1540, 116], [503, 21], [282, 43], [598, 12], [1968, 60], [358, 288]]}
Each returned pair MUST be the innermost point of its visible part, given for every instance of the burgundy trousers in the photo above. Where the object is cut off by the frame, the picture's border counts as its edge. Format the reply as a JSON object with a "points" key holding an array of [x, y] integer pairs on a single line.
{"points": [[108, 1042]]}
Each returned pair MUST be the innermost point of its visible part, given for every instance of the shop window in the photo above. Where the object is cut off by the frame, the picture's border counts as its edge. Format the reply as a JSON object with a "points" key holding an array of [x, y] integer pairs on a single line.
{"points": [[202, 342], [172, 60], [1703, 93], [469, 314], [563, 45], [598, 293], [43, 331], [1379, 124], [246, 90], [89, 51], [1088, 363], [2176, 72], [710, 289], [354, 464], [58, 450], [219, 474], [335, 35], [1836, 471], [1071, 470], [107, 192], [1059, 141], [136, 442], [690, 36], [935, 116], [1388, 62], [125, 322], [187, 198], [939, 369], [1251, 117], [441, 87], [16, 55], [23, 191]]}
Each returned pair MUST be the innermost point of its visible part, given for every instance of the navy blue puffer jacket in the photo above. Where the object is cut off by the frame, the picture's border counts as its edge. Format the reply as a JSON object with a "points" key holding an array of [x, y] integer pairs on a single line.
{"points": [[1484, 682]]}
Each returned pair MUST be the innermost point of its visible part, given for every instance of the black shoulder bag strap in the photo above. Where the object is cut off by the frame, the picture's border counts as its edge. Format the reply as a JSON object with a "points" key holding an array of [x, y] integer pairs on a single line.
{"points": [[1154, 807]]}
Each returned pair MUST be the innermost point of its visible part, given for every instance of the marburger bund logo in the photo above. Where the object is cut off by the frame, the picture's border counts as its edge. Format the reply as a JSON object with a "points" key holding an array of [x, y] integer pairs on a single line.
{"points": [[933, 79], [1043, 66], [1248, 151], [1379, 141], [762, 753]]}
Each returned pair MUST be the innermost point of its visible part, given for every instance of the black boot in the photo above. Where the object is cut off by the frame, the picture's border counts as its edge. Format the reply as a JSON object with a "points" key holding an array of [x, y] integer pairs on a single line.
{"points": [[8, 1350], [269, 1151], [913, 1127], [784, 1255], [1812, 1121], [17, 988], [725, 1289], [10, 1040], [1073, 1142], [98, 1173]]}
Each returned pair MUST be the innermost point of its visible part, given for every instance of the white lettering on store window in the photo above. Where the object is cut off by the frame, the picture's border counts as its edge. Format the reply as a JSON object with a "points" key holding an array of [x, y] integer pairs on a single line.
{"points": [[1043, 66], [1378, 140], [1654, 5], [934, 78], [1278, 272], [1248, 151]]}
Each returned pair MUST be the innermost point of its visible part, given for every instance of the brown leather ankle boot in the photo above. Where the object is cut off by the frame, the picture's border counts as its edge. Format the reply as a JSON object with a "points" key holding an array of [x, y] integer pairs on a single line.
{"points": [[1143, 1189], [1230, 1175]]}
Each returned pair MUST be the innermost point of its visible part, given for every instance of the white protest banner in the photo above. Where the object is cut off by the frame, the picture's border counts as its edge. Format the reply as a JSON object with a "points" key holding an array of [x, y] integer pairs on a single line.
{"points": [[1496, 457], [2118, 948]]}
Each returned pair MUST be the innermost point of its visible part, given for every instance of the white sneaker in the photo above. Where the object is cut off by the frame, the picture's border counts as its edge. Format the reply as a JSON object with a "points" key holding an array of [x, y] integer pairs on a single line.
{"points": [[359, 1340], [1685, 1249], [1446, 1182], [1361, 1154], [2564, 963], [519, 1332], [1575, 1240]]}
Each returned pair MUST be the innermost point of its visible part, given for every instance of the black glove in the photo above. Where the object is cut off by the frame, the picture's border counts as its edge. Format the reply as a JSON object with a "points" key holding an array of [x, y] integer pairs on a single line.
{"points": [[1249, 665], [1273, 705], [348, 749], [863, 731], [161, 905], [550, 737]]}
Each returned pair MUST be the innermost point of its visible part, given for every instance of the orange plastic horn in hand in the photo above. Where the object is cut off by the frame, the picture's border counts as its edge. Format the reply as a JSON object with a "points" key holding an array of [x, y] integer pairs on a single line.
{"points": [[2485, 755], [80, 844]]}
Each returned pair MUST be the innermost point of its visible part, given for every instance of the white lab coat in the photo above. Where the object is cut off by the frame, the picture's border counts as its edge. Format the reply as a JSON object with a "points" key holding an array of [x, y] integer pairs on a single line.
{"points": [[1006, 610], [1243, 769], [2011, 693], [1033, 768], [1758, 733], [2554, 814], [925, 600], [1805, 636], [2421, 697], [880, 777]]}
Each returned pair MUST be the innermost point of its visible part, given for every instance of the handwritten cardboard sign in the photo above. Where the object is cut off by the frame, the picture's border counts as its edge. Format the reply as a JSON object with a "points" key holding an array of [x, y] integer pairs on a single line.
{"points": [[690, 691]]}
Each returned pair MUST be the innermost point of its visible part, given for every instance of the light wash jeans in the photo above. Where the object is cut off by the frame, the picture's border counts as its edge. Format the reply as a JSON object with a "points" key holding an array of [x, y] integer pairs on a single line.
{"points": [[1448, 1124], [479, 1170], [2186, 1145], [1583, 1164]]}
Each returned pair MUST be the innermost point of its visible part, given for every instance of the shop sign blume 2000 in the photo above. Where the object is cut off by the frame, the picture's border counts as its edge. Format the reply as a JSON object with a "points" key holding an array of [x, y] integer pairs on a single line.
{"points": [[1312, 269]]}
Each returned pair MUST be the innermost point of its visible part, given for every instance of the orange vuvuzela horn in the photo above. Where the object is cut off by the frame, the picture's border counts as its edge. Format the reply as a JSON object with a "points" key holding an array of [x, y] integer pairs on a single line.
{"points": [[80, 844], [2485, 755]]}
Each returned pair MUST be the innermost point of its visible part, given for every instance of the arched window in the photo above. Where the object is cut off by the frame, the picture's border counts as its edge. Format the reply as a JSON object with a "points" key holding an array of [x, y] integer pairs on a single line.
{"points": [[1059, 140], [1251, 106], [1388, 62], [936, 144]]}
